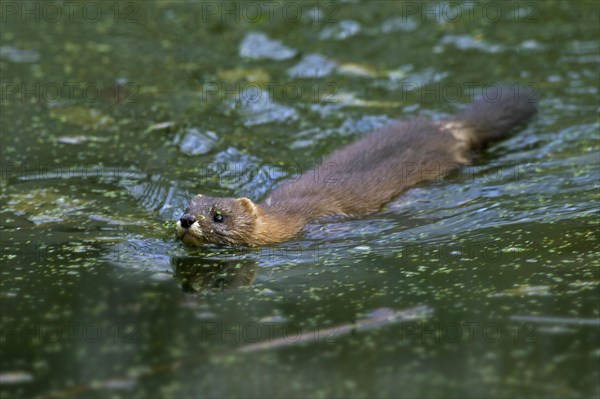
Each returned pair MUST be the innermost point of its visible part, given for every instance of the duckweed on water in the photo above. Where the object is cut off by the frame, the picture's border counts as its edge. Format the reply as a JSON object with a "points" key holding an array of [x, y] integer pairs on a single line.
{"points": [[91, 191]]}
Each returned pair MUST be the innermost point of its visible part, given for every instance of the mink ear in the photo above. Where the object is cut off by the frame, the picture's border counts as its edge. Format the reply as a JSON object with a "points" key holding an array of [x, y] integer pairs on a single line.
{"points": [[248, 205]]}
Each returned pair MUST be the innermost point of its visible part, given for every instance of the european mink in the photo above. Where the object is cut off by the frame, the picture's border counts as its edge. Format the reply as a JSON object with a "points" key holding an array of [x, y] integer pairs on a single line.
{"points": [[359, 178]]}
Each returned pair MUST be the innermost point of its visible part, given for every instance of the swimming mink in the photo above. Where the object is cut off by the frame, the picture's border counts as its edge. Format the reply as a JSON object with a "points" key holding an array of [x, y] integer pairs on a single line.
{"points": [[360, 178]]}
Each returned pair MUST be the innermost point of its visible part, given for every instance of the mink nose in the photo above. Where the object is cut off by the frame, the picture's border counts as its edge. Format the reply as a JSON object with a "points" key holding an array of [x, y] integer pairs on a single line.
{"points": [[187, 220]]}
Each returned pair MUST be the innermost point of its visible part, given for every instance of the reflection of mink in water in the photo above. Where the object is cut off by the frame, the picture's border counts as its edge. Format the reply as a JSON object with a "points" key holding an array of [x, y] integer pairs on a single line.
{"points": [[360, 178], [200, 274]]}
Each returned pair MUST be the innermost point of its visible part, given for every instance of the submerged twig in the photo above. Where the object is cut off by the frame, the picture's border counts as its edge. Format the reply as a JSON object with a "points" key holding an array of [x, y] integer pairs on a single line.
{"points": [[378, 318]]}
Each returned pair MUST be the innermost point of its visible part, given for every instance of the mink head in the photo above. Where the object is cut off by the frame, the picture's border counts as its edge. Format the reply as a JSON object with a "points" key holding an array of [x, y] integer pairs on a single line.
{"points": [[226, 221]]}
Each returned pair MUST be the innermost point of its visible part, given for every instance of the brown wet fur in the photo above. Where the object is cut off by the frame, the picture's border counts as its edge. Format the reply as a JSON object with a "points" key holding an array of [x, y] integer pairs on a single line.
{"points": [[363, 176]]}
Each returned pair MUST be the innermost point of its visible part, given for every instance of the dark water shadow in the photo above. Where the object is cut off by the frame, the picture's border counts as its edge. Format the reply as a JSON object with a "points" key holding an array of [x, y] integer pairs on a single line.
{"points": [[195, 274]]}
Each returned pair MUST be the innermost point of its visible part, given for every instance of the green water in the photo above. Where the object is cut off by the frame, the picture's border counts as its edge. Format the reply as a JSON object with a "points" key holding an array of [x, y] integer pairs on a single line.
{"points": [[101, 105]]}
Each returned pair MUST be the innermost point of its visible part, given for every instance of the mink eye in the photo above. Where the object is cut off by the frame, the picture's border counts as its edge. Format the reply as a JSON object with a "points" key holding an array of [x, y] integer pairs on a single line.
{"points": [[218, 218]]}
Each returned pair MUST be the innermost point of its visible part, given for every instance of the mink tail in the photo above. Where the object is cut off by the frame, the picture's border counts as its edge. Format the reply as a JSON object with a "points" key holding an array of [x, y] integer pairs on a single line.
{"points": [[497, 113]]}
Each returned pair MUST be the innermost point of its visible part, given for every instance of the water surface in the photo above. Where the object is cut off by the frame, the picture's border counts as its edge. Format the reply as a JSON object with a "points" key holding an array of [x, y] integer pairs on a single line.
{"points": [[111, 122]]}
